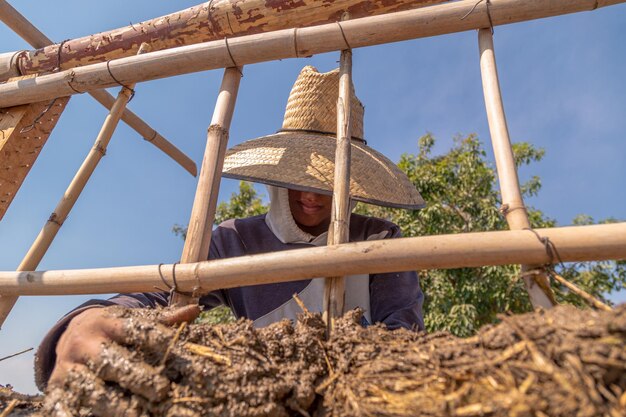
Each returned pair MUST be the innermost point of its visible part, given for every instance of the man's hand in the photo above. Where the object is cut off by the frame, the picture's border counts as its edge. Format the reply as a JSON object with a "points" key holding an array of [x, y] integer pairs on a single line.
{"points": [[83, 340], [92, 348]]}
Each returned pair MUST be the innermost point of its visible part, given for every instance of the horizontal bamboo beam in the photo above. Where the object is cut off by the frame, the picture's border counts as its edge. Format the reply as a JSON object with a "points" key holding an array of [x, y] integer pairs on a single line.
{"points": [[27, 31], [576, 243], [290, 43], [209, 21]]}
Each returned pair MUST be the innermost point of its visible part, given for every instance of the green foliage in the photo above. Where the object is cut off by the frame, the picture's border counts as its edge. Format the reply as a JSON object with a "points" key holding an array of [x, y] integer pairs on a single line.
{"points": [[246, 203], [217, 315], [461, 191]]}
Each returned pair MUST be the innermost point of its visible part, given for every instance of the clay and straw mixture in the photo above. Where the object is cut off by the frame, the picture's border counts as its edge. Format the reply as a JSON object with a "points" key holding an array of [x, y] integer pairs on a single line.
{"points": [[563, 362]]}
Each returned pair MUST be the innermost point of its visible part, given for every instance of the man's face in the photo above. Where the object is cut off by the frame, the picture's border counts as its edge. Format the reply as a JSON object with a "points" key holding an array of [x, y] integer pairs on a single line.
{"points": [[310, 209]]}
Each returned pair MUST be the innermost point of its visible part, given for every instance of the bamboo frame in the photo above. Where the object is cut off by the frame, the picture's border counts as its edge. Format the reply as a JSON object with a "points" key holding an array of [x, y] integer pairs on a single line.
{"points": [[513, 208], [209, 21], [290, 43], [205, 201], [49, 231], [465, 250], [27, 31], [339, 230]]}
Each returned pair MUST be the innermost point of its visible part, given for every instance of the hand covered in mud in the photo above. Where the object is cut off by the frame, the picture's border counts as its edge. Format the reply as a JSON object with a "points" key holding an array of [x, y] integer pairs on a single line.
{"points": [[94, 346]]}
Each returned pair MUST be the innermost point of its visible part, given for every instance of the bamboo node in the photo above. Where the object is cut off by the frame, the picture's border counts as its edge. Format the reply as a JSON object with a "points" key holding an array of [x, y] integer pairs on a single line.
{"points": [[54, 218], [295, 41], [154, 135], [100, 149]]}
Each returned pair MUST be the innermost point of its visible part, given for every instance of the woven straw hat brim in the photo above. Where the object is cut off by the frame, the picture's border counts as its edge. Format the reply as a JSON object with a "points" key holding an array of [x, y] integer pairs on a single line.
{"points": [[305, 161]]}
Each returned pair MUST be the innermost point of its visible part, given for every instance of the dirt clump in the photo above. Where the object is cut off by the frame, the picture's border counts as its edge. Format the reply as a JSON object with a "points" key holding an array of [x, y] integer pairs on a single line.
{"points": [[562, 362], [15, 404]]}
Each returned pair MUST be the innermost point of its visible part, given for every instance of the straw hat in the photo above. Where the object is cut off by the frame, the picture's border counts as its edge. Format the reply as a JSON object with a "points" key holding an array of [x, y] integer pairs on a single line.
{"points": [[301, 155]]}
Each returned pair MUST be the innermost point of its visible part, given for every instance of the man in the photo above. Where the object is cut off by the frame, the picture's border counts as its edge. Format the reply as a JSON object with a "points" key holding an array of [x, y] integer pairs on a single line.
{"points": [[297, 165]]}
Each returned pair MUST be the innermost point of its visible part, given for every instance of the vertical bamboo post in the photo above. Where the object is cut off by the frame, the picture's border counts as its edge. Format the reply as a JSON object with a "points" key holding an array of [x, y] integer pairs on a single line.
{"points": [[338, 232], [512, 203], [49, 231], [203, 211]]}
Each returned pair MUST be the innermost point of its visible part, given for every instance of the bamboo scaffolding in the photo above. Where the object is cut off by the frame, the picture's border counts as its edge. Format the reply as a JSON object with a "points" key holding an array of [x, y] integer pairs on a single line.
{"points": [[513, 208], [209, 21], [291, 43], [465, 250], [205, 201], [49, 231], [27, 31], [339, 230]]}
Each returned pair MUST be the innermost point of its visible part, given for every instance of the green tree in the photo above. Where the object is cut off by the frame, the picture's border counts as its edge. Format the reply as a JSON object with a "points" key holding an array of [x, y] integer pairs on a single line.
{"points": [[461, 192]]}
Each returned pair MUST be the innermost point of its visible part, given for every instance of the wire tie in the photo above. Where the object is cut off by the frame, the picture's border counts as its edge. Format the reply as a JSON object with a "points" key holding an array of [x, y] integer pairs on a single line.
{"points": [[231, 56], [344, 35], [488, 3], [59, 51], [132, 91], [43, 112]]}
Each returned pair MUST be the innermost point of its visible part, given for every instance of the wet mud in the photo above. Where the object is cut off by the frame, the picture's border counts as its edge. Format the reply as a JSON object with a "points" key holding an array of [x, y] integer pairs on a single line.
{"points": [[563, 362]]}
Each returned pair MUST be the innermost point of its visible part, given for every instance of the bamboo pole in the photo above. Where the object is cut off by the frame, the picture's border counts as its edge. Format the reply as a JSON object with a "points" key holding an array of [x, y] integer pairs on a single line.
{"points": [[209, 21], [590, 299], [50, 229], [339, 230], [203, 211], [289, 43], [27, 31], [464, 250], [513, 208]]}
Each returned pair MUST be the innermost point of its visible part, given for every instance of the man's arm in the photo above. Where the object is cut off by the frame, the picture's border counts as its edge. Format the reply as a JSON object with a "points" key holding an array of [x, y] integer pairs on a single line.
{"points": [[396, 300]]}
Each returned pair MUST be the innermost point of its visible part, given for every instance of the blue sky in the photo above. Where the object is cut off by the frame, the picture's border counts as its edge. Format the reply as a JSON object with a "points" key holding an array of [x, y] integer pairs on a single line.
{"points": [[563, 90]]}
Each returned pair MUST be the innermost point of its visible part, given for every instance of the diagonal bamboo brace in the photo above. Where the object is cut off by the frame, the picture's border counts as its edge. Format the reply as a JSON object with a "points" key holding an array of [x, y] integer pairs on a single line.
{"points": [[339, 230], [49, 231], [538, 286], [204, 204], [27, 31]]}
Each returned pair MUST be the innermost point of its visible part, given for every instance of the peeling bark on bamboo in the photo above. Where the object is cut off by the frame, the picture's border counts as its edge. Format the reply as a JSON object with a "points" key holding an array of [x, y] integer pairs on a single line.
{"points": [[47, 234], [225, 18], [465, 250], [537, 286], [203, 211], [27, 31], [249, 49], [339, 231]]}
